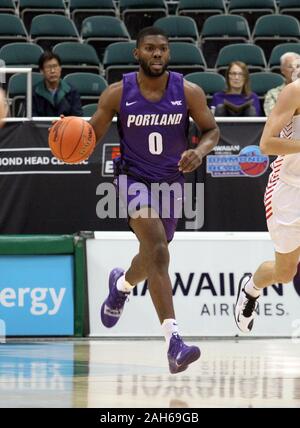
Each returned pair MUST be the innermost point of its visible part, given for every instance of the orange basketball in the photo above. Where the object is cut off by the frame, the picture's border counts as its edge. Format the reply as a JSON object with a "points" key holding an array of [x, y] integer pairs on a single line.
{"points": [[72, 139]]}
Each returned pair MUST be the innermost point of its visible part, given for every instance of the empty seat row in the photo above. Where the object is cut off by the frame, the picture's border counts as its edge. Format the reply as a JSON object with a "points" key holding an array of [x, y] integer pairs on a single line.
{"points": [[150, 10], [251, 10], [46, 30], [99, 31], [78, 10], [119, 58], [220, 30]]}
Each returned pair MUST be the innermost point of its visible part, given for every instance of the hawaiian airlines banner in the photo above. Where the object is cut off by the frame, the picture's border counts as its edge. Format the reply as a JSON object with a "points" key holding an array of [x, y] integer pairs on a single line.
{"points": [[205, 270]]}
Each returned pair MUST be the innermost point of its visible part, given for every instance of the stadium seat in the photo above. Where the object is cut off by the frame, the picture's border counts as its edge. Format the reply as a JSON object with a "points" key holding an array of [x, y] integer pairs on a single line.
{"points": [[262, 82], [82, 9], [7, 6], [252, 9], [118, 59], [289, 7], [48, 30], [17, 89], [220, 30], [76, 56], [210, 82], [200, 10], [21, 55], [89, 109], [89, 85], [186, 58], [31, 8], [278, 51], [138, 14], [179, 28], [251, 55], [101, 31], [11, 29], [270, 30]]}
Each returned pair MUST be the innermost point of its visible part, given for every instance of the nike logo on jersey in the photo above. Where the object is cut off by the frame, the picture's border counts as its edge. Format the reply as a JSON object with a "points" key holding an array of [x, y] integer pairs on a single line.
{"points": [[130, 104], [176, 103]]}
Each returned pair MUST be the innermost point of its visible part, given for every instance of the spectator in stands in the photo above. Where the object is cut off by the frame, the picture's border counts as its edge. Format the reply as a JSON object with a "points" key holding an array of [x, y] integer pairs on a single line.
{"points": [[237, 100], [53, 96], [289, 62]]}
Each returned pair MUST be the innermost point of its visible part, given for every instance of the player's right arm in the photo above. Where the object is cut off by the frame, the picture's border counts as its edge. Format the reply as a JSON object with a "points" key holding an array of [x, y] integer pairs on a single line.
{"points": [[108, 106], [287, 105]]}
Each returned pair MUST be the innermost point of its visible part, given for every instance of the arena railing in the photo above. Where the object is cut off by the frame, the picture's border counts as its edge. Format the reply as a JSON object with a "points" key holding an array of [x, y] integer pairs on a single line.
{"points": [[28, 71]]}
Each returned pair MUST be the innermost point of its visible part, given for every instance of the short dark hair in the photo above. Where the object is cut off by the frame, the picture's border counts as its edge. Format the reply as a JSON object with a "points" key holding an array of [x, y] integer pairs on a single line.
{"points": [[47, 56], [150, 31]]}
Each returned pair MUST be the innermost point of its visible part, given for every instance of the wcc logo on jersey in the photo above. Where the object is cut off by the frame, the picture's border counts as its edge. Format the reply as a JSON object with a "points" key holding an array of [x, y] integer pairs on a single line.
{"points": [[250, 162], [176, 103]]}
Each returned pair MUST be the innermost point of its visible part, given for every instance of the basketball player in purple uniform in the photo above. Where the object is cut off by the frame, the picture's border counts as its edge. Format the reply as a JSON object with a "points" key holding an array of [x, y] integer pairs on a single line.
{"points": [[153, 108]]}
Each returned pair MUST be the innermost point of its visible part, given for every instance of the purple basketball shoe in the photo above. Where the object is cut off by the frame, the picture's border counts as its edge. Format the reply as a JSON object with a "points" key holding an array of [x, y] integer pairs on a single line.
{"points": [[112, 307], [181, 355]]}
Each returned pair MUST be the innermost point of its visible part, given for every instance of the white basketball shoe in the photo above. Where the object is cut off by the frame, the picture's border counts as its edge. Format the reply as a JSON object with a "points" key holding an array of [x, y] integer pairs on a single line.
{"points": [[245, 307]]}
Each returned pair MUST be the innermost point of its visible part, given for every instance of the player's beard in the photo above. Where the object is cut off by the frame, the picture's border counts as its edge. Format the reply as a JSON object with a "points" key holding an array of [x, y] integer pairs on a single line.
{"points": [[147, 69]]}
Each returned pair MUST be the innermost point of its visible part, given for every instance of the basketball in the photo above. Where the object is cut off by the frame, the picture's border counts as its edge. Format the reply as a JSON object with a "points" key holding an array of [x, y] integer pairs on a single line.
{"points": [[3, 107], [72, 139]]}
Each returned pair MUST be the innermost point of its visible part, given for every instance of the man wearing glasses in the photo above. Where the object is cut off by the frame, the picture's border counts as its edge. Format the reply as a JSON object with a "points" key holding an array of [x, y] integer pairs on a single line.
{"points": [[52, 96]]}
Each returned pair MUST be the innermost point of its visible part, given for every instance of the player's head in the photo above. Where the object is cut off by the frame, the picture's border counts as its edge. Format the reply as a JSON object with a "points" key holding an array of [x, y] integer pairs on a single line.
{"points": [[152, 51], [237, 78], [50, 67]]}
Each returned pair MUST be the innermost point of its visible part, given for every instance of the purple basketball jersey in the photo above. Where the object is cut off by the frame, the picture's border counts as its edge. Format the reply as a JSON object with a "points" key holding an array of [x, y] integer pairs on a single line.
{"points": [[153, 134]]}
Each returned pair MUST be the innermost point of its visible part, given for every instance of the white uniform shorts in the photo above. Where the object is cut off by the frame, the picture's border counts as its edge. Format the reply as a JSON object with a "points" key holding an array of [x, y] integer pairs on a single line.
{"points": [[284, 223]]}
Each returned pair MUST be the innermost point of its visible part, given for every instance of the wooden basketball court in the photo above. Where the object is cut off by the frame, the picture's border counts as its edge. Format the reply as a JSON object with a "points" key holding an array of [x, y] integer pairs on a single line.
{"points": [[134, 373]]}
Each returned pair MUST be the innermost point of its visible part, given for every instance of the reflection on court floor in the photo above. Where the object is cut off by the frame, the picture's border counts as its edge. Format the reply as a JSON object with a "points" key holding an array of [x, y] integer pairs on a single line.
{"points": [[128, 373]]}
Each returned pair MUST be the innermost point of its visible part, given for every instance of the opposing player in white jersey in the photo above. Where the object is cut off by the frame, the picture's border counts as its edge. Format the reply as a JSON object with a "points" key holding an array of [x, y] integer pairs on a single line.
{"points": [[281, 136]]}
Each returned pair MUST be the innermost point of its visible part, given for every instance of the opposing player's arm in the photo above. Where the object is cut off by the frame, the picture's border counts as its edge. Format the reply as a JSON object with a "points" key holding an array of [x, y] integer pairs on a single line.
{"points": [[199, 111], [108, 106], [285, 108]]}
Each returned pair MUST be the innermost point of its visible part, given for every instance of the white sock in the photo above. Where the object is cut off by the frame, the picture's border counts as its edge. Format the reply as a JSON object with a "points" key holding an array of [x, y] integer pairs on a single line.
{"points": [[251, 289], [169, 327], [123, 285]]}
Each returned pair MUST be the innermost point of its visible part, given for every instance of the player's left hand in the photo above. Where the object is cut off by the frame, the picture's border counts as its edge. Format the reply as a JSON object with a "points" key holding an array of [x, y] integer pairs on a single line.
{"points": [[190, 160]]}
